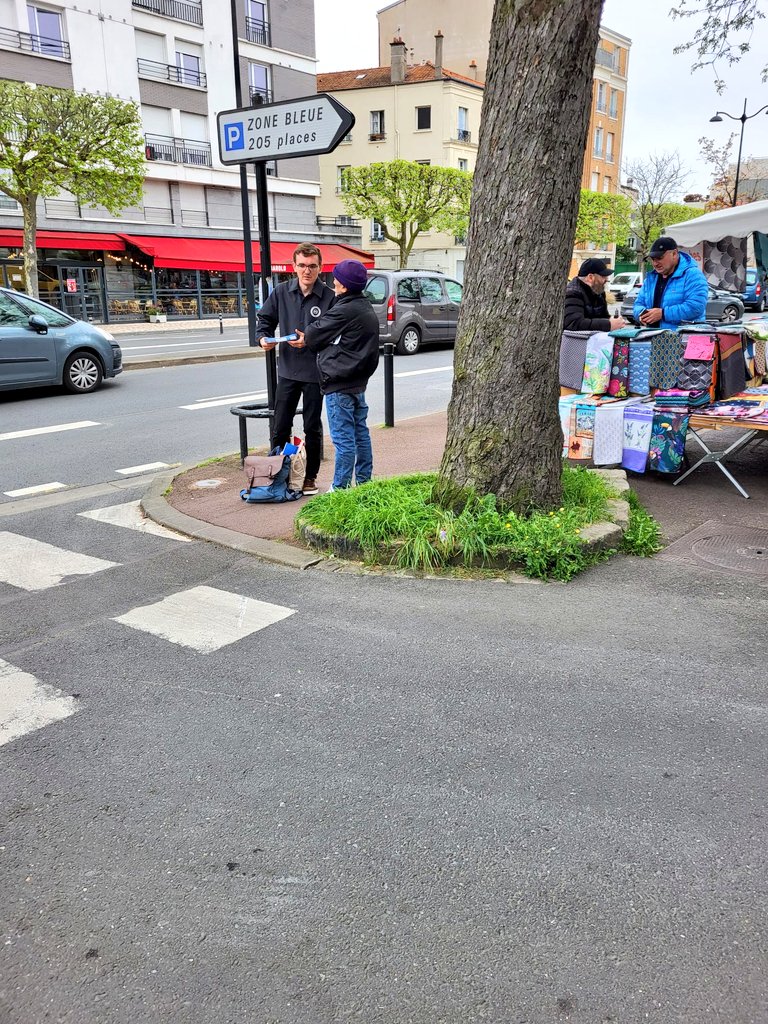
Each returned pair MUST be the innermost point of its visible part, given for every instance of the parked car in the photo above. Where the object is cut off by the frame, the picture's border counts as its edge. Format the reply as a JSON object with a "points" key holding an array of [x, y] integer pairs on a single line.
{"points": [[726, 307], [40, 345], [753, 295], [414, 307], [620, 284]]}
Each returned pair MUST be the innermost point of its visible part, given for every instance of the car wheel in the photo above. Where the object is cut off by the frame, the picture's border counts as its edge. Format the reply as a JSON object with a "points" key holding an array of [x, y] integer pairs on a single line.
{"points": [[410, 342], [729, 315], [760, 307], [82, 373]]}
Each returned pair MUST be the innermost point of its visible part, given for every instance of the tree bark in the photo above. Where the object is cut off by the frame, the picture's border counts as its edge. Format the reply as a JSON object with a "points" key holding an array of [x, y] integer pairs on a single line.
{"points": [[29, 211], [504, 434]]}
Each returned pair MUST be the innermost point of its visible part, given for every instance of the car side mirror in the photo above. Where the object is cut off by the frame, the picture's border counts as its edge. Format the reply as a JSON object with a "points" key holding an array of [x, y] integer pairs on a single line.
{"points": [[39, 324]]}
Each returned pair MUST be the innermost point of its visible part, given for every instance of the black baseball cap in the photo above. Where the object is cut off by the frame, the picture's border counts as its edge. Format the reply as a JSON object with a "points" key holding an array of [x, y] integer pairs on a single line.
{"points": [[594, 266], [662, 245]]}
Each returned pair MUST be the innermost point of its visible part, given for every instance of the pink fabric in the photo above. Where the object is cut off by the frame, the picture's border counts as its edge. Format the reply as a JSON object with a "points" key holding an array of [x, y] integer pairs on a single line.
{"points": [[700, 346]]}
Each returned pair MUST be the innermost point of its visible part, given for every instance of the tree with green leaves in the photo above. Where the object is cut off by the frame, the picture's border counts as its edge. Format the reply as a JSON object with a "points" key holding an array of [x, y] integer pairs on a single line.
{"points": [[56, 139], [725, 32], [604, 218], [407, 198]]}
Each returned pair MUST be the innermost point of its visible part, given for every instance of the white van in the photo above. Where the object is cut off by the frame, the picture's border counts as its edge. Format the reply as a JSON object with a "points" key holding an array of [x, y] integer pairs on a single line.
{"points": [[620, 284]]}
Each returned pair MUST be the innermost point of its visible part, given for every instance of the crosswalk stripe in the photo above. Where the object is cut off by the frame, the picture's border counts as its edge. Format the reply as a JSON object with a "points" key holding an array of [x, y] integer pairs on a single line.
{"points": [[48, 430], [226, 401], [27, 704], [26, 492], [34, 565], [143, 469], [418, 373], [204, 618], [129, 516]]}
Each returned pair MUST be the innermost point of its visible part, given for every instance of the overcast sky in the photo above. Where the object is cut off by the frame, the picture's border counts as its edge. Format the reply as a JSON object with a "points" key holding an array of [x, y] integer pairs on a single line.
{"points": [[668, 106]]}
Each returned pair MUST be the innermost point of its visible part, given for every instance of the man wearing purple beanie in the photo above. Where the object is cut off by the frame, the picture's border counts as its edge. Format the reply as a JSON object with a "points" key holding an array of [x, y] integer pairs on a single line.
{"points": [[346, 340]]}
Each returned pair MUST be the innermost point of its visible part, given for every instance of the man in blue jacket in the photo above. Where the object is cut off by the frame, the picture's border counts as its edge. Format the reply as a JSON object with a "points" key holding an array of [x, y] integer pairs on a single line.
{"points": [[675, 290]]}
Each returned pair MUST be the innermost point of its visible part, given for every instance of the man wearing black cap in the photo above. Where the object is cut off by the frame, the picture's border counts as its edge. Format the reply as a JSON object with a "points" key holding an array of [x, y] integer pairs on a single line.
{"points": [[675, 290], [585, 306]]}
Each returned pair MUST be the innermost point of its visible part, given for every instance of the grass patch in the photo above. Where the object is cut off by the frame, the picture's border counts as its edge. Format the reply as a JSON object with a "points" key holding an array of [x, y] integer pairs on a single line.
{"points": [[643, 537], [397, 513]]}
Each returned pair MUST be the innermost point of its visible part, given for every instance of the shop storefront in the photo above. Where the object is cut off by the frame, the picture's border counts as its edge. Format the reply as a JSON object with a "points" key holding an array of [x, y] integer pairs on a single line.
{"points": [[108, 278]]}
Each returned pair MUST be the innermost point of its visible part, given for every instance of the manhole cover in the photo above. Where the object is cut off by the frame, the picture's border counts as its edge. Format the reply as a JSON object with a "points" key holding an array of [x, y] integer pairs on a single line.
{"points": [[208, 483], [746, 551]]}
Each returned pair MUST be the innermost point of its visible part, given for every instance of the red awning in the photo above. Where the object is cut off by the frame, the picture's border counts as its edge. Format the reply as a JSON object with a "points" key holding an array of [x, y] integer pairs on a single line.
{"points": [[228, 253], [14, 238]]}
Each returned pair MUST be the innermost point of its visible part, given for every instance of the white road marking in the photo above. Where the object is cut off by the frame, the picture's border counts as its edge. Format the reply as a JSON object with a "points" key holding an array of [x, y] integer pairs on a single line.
{"points": [[33, 565], [131, 517], [48, 430], [417, 373], [219, 340], [143, 469], [233, 398], [25, 492], [204, 618], [27, 704], [226, 401]]}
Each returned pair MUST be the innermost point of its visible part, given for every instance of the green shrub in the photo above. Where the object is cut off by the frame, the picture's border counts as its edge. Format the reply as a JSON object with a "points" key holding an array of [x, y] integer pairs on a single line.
{"points": [[643, 537]]}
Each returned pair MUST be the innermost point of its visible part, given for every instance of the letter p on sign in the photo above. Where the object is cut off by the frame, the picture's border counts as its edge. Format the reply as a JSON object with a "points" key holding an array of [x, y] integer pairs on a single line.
{"points": [[234, 136]]}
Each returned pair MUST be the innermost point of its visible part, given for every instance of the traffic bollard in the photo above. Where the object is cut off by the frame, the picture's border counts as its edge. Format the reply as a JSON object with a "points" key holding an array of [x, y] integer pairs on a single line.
{"points": [[221, 324], [389, 384]]}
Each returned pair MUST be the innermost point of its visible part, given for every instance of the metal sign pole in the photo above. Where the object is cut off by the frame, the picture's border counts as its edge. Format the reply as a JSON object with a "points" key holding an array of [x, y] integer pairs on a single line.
{"points": [[262, 207]]}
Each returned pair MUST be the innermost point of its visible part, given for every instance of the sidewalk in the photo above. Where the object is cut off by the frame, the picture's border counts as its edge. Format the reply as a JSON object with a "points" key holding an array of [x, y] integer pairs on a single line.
{"points": [[416, 445], [143, 327]]}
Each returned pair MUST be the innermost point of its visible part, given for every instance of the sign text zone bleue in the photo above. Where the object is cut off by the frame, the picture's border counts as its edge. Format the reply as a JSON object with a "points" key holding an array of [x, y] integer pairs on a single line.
{"points": [[279, 131]]}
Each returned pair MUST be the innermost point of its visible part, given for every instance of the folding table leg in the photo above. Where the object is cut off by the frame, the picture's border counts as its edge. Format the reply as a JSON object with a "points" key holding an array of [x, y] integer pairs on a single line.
{"points": [[719, 457]]}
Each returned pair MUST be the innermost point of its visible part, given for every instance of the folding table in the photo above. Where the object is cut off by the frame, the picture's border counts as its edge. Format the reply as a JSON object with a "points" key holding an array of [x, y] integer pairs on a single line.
{"points": [[750, 431]]}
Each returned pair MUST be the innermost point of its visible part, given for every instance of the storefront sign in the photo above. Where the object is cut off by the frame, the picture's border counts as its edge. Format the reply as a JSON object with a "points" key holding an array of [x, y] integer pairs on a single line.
{"points": [[71, 284]]}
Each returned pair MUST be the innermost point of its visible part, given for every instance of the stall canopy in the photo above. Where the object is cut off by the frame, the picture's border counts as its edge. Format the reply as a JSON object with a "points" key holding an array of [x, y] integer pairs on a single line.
{"points": [[228, 254], [13, 238], [718, 241]]}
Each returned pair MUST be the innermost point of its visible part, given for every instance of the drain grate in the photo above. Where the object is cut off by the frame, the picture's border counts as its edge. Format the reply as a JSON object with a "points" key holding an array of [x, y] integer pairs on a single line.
{"points": [[739, 549]]}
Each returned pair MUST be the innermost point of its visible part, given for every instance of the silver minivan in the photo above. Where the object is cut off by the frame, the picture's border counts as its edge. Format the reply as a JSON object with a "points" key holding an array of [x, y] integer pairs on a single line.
{"points": [[414, 307]]}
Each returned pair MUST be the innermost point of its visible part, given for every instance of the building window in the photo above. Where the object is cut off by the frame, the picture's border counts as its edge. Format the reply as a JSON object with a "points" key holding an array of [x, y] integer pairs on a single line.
{"points": [[463, 164], [423, 118], [258, 83], [47, 28], [257, 23], [377, 231], [188, 65], [463, 133], [598, 151], [424, 163], [606, 184], [595, 181], [377, 126], [614, 108], [602, 89], [609, 147], [340, 185]]}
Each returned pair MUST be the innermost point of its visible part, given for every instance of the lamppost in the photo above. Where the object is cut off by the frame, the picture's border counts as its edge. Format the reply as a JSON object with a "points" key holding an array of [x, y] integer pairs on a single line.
{"points": [[744, 118]]}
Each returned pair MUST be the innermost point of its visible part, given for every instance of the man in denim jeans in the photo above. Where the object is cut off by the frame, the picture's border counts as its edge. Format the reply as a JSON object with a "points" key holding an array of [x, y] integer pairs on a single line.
{"points": [[346, 340]]}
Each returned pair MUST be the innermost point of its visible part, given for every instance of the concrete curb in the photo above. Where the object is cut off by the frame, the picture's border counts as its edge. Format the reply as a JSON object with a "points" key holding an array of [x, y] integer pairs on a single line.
{"points": [[214, 357], [155, 507]]}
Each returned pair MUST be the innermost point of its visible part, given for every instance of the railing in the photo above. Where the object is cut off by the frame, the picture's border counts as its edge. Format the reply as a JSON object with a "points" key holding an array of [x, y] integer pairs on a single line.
{"points": [[70, 209], [377, 236], [601, 107], [462, 135], [259, 95], [177, 151], [377, 136], [257, 31], [47, 46], [607, 58], [190, 11], [194, 218], [170, 73]]}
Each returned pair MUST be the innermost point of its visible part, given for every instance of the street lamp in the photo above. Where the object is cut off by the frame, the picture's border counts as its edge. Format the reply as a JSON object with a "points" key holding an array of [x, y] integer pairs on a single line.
{"points": [[744, 118]]}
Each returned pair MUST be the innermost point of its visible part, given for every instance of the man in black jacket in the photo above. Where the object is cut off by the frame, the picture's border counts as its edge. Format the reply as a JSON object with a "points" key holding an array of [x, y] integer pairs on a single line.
{"points": [[293, 305], [346, 340], [585, 306]]}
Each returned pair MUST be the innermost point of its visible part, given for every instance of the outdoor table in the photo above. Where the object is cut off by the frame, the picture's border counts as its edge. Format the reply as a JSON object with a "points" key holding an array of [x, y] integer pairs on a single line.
{"points": [[751, 431]]}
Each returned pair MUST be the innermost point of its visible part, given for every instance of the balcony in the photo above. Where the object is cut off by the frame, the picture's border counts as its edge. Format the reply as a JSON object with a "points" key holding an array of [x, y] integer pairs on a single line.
{"points": [[462, 135], [177, 151], [348, 226], [44, 45], [171, 73], [190, 11], [71, 209], [259, 95], [607, 58], [257, 31]]}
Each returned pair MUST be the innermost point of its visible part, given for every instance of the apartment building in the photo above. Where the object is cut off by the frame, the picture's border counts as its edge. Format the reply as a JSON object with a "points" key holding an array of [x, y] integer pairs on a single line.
{"points": [[181, 249], [424, 113]]}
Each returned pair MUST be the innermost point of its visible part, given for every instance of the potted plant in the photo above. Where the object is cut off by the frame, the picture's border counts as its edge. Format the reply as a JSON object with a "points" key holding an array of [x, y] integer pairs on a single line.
{"points": [[155, 315]]}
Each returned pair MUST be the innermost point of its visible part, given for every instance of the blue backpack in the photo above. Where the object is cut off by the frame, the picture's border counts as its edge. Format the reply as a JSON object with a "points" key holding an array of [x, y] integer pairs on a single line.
{"points": [[268, 478]]}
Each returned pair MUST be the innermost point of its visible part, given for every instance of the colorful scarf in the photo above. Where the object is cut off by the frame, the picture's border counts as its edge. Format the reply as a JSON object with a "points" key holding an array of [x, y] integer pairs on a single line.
{"points": [[638, 420], [667, 446], [597, 364], [619, 382]]}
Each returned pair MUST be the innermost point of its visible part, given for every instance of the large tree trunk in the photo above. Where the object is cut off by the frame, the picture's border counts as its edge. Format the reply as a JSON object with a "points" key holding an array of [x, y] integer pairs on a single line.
{"points": [[504, 433], [29, 210]]}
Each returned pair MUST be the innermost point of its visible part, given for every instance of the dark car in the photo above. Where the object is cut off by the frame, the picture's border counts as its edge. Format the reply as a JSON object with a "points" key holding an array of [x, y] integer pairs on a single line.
{"points": [[753, 295], [414, 307], [40, 346], [721, 305]]}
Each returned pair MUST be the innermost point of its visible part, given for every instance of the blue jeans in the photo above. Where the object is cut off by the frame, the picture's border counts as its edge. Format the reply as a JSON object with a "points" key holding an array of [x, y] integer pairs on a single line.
{"points": [[347, 416]]}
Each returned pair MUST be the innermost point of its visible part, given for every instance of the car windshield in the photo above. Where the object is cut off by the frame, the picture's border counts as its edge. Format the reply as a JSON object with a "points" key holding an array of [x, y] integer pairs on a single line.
{"points": [[622, 279]]}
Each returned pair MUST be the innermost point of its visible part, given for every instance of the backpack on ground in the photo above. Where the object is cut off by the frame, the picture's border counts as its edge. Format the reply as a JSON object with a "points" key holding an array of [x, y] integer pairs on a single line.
{"points": [[268, 478]]}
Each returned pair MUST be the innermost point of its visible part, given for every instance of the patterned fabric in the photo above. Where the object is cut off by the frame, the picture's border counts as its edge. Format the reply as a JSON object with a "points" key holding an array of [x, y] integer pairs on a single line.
{"points": [[573, 354], [619, 382], [667, 447], [639, 367], [666, 359], [733, 374], [583, 431], [565, 407], [608, 446], [696, 374], [638, 420], [597, 364]]}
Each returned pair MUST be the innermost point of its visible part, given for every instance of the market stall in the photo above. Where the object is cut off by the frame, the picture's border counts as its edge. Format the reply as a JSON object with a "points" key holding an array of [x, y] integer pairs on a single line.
{"points": [[719, 242]]}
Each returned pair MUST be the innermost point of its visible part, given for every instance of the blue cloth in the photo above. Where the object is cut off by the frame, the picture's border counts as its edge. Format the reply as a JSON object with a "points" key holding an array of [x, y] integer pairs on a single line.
{"points": [[685, 297], [347, 415], [639, 367]]}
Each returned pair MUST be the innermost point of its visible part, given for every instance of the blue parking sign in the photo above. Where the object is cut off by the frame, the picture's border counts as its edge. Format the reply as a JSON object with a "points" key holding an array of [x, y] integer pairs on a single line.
{"points": [[234, 136]]}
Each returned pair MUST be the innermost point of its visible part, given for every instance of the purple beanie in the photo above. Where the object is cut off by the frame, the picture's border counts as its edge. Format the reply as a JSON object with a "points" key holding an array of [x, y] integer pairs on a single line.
{"points": [[351, 274]]}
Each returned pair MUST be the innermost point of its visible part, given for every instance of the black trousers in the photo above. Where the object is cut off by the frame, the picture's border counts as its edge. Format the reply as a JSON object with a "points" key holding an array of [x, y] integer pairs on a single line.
{"points": [[289, 392]]}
